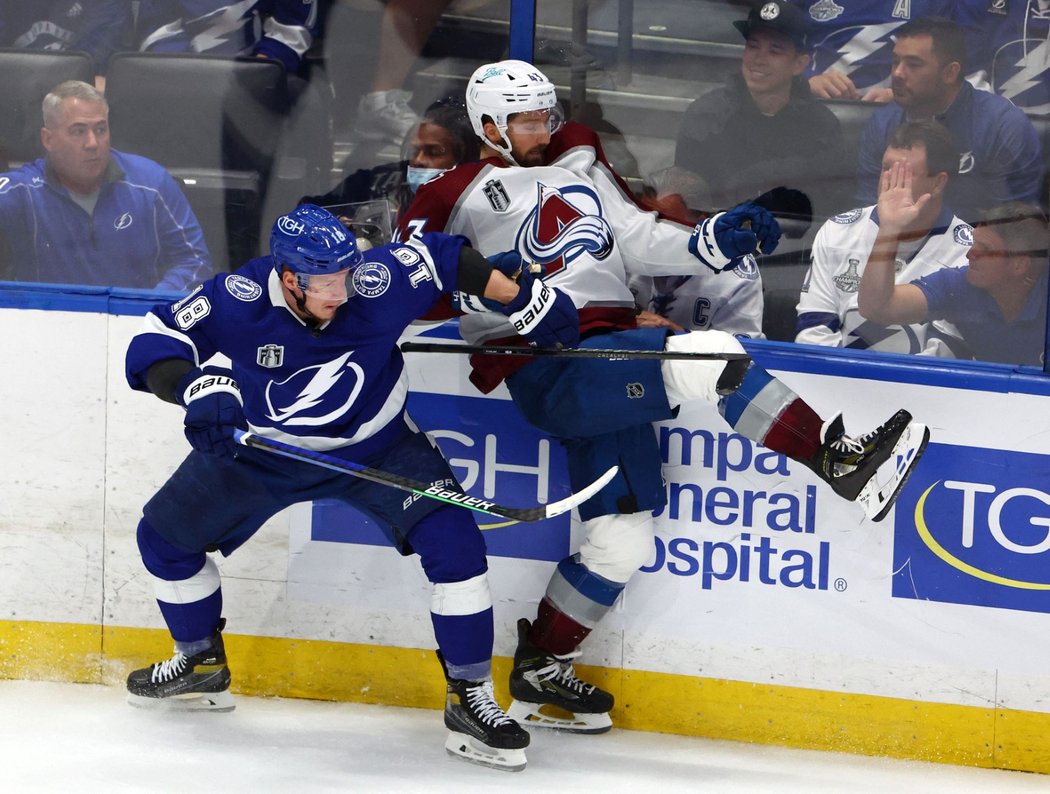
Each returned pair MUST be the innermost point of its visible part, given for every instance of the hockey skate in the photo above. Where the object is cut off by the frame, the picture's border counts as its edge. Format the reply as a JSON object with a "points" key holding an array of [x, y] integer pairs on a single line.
{"points": [[480, 731], [185, 683], [853, 467], [543, 685]]}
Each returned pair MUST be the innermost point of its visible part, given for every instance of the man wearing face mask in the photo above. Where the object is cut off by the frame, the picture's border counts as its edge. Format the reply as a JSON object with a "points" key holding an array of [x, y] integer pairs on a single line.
{"points": [[442, 139]]}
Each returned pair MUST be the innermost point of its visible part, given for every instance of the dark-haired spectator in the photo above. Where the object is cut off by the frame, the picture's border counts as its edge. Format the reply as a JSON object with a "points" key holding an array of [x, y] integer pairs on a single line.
{"points": [[763, 137], [281, 30], [89, 214], [997, 300], [853, 43], [931, 240], [442, 139], [1001, 158]]}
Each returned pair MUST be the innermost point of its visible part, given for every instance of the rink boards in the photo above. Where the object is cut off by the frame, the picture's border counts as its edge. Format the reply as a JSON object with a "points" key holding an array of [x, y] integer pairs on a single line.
{"points": [[769, 611]]}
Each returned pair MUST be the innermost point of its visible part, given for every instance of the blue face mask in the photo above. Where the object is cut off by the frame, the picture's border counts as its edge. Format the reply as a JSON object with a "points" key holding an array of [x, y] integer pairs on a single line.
{"points": [[420, 176]]}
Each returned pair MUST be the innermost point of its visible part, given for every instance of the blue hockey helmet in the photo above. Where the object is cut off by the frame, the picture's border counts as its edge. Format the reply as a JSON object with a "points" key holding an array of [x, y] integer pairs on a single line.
{"points": [[310, 241]]}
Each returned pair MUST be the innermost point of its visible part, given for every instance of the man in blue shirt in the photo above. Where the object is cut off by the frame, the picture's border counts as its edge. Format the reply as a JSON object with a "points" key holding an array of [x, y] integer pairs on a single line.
{"points": [[88, 214], [1001, 157], [997, 301]]}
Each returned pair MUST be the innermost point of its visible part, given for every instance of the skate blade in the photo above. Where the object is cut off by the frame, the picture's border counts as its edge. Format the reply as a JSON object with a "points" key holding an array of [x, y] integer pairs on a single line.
{"points": [[474, 750], [877, 500], [536, 715], [198, 701]]}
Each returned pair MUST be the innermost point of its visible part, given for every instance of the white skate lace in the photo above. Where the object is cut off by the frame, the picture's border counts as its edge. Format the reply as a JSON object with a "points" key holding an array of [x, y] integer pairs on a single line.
{"points": [[484, 704], [846, 444], [165, 671], [562, 671]]}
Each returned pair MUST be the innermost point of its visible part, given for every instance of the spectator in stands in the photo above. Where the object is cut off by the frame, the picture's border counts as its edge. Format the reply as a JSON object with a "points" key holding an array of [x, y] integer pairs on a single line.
{"points": [[443, 138], [762, 137], [1009, 45], [853, 44], [281, 30], [998, 300], [845, 246], [88, 214], [1001, 158], [97, 27]]}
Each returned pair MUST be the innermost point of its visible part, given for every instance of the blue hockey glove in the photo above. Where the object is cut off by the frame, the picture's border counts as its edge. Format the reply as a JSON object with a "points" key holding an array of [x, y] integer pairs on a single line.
{"points": [[213, 409], [543, 315], [722, 241]]}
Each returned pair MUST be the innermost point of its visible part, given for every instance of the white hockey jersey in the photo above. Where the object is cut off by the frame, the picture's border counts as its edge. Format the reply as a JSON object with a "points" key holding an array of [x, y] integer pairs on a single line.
{"points": [[827, 307], [574, 216]]}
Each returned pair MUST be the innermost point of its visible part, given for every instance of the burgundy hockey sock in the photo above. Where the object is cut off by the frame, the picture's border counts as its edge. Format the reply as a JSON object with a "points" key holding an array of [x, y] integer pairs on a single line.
{"points": [[796, 432], [554, 631]]}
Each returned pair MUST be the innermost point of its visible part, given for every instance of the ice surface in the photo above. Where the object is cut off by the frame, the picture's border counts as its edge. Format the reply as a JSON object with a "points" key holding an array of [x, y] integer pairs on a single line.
{"points": [[84, 739]]}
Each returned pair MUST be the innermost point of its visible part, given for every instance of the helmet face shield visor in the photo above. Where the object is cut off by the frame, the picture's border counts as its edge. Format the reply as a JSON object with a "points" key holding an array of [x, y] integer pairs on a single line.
{"points": [[536, 122], [328, 286]]}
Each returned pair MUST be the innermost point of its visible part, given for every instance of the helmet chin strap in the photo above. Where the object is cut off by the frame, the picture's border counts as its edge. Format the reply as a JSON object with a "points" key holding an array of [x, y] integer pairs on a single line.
{"points": [[503, 148]]}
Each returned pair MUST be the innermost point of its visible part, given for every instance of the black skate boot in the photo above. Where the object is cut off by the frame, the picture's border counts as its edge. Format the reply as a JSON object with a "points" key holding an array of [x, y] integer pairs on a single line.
{"points": [[480, 731], [541, 679], [185, 683], [850, 465]]}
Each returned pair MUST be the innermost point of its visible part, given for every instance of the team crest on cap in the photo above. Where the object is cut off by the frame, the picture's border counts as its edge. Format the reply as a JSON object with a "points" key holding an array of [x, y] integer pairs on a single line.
{"points": [[963, 234], [769, 12], [825, 10], [243, 289]]}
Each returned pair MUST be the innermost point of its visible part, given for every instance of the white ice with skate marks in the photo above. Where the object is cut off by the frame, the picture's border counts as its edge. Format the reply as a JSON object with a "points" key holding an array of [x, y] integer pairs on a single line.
{"points": [[85, 738]]}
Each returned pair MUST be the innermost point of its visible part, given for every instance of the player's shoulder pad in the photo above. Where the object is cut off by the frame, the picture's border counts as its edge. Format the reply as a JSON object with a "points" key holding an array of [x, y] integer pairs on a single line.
{"points": [[963, 234], [848, 217]]}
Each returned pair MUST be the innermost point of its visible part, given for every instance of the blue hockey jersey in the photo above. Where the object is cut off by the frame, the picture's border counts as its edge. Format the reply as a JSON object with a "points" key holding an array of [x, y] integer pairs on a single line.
{"points": [[342, 384]]}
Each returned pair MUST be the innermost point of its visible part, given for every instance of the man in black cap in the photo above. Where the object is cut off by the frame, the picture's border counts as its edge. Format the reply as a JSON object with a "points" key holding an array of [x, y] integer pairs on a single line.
{"points": [[763, 137]]}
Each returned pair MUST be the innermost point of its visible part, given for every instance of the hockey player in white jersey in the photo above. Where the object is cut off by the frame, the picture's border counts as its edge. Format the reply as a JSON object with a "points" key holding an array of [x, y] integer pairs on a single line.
{"points": [[827, 306], [546, 191], [312, 333]]}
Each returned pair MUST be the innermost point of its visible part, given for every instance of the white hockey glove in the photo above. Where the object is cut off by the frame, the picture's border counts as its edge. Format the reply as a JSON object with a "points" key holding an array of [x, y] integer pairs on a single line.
{"points": [[722, 241]]}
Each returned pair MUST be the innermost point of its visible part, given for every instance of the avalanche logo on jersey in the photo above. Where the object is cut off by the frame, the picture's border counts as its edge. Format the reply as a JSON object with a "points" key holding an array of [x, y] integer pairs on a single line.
{"points": [[565, 223], [315, 396]]}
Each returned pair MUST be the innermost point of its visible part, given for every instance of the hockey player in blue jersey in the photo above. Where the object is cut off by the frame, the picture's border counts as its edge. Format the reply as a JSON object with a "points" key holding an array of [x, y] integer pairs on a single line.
{"points": [[312, 333]]}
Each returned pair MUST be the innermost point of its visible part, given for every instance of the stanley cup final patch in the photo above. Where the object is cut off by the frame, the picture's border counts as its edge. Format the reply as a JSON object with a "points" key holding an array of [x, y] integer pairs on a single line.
{"points": [[496, 193], [270, 356]]}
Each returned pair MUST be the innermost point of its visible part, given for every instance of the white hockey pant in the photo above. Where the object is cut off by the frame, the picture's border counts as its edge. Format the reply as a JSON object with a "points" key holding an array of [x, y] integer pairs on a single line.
{"points": [[696, 380], [614, 547]]}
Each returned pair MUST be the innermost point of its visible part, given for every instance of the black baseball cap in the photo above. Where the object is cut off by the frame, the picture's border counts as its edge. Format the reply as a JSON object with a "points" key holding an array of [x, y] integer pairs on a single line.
{"points": [[779, 17]]}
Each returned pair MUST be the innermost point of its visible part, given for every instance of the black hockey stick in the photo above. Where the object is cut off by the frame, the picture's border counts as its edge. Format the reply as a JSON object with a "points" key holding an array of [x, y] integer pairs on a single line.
{"points": [[567, 352], [439, 492]]}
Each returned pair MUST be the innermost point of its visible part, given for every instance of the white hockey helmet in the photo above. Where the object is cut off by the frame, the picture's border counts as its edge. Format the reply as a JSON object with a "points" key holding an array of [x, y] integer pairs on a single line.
{"points": [[500, 89]]}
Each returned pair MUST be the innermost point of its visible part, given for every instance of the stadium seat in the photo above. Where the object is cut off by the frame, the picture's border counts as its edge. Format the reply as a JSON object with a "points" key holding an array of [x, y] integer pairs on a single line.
{"points": [[220, 126], [26, 76]]}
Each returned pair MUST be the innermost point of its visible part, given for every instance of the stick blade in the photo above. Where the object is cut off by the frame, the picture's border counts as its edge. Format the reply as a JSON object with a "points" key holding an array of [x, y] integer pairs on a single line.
{"points": [[581, 496]]}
